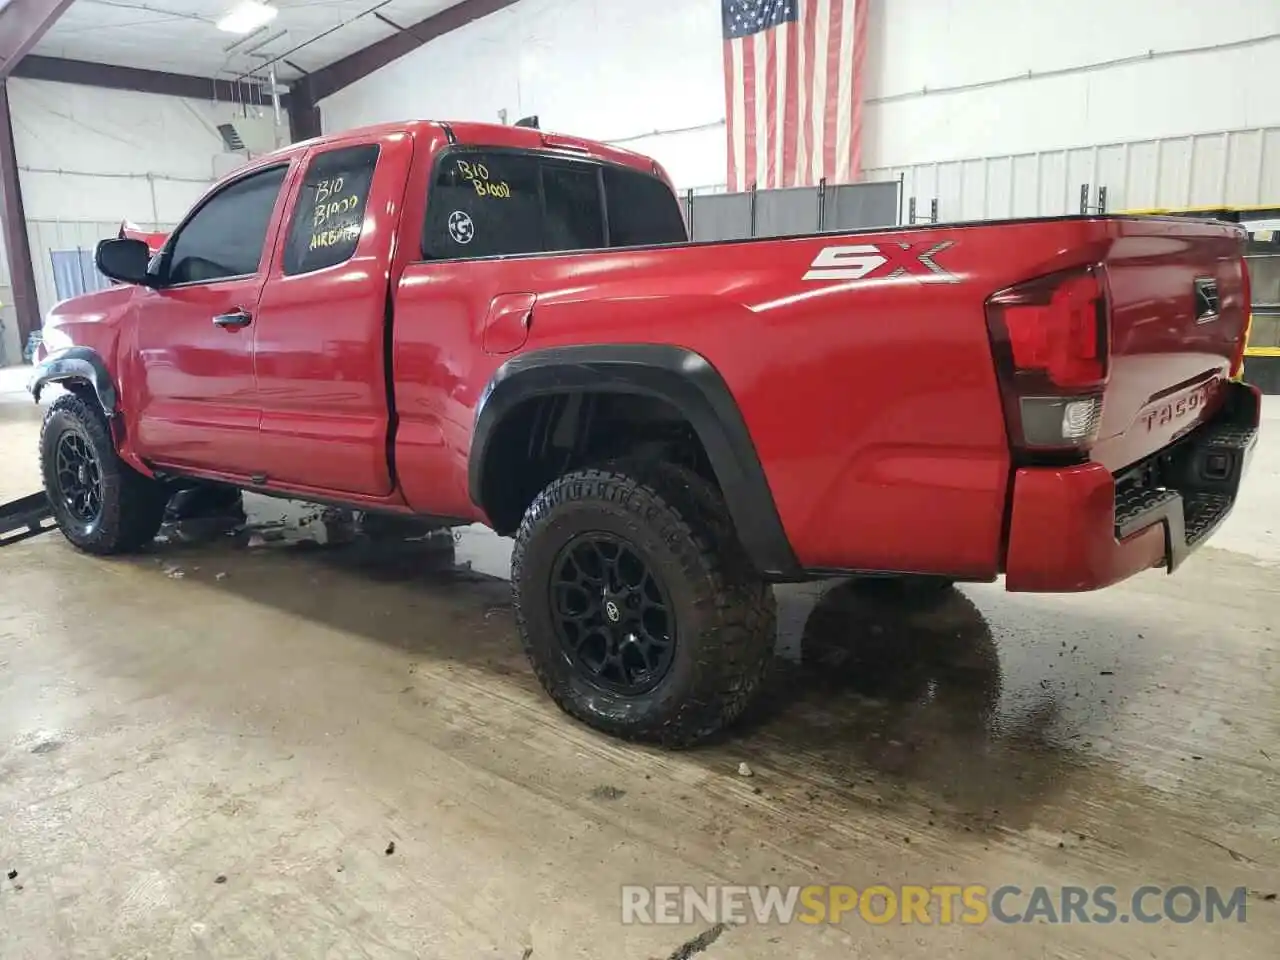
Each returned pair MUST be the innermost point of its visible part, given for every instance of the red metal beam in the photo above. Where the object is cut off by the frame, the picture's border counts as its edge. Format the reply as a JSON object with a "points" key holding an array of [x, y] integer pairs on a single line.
{"points": [[22, 24], [304, 115], [329, 80], [111, 77], [13, 220]]}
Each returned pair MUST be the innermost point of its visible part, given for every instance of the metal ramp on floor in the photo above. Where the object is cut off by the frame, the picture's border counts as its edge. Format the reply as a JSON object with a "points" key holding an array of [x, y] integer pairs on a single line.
{"points": [[25, 518]]}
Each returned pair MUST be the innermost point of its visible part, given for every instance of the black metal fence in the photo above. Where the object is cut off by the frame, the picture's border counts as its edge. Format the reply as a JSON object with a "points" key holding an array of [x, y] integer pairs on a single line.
{"points": [[793, 211]]}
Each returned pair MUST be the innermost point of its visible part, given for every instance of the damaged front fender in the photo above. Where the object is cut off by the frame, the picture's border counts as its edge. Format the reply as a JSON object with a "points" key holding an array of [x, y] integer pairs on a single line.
{"points": [[76, 364]]}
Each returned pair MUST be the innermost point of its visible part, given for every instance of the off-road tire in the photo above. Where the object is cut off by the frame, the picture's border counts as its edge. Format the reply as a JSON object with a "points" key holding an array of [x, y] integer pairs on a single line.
{"points": [[132, 505], [725, 614]]}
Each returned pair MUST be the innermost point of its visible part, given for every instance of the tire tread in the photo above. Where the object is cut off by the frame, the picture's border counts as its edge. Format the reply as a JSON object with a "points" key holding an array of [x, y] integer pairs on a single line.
{"points": [[132, 516], [684, 508]]}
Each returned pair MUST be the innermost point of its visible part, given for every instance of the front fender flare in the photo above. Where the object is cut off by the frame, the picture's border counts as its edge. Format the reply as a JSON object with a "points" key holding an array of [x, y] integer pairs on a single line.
{"points": [[683, 378], [76, 363]]}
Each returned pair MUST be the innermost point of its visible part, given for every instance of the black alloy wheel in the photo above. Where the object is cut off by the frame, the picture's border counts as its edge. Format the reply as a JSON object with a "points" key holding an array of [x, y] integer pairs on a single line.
{"points": [[78, 477], [102, 505], [612, 613], [637, 605]]}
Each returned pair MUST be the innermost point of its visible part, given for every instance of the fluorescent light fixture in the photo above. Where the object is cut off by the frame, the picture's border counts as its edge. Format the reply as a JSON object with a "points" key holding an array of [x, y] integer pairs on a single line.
{"points": [[247, 17]]}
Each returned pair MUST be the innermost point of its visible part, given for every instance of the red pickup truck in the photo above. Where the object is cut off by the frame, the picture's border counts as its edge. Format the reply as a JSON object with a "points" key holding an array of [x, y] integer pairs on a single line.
{"points": [[495, 324]]}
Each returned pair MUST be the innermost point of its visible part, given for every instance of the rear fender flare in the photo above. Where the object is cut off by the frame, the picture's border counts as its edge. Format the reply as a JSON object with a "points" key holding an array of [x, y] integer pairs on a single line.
{"points": [[681, 377], [76, 364]]}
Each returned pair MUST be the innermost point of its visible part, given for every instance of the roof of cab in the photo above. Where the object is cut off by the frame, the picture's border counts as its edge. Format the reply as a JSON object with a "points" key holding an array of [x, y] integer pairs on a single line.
{"points": [[469, 132]]}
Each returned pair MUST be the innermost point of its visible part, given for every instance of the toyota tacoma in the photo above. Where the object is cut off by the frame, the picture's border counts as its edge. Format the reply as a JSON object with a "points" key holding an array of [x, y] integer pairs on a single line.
{"points": [[476, 323]]}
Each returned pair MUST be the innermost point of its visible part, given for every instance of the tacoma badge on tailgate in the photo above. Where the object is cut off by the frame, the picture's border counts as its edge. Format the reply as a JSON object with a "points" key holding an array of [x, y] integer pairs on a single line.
{"points": [[1172, 410]]}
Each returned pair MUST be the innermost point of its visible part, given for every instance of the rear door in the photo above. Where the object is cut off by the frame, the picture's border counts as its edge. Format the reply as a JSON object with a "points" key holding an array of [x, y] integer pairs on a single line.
{"points": [[194, 335], [470, 300], [320, 335]]}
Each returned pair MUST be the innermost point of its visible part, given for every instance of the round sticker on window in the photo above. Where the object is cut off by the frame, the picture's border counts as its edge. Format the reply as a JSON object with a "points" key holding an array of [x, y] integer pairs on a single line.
{"points": [[461, 229]]}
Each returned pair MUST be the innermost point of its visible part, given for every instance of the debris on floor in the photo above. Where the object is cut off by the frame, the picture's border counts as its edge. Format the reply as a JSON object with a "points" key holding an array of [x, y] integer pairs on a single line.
{"points": [[699, 943], [606, 792], [391, 848], [744, 770]]}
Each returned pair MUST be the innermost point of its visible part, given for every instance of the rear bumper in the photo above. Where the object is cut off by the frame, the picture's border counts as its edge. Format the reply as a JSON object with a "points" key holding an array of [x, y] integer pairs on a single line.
{"points": [[1080, 528]]}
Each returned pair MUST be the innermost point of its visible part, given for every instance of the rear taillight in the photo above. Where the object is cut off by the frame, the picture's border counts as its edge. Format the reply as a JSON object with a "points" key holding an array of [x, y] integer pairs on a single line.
{"points": [[1051, 338]]}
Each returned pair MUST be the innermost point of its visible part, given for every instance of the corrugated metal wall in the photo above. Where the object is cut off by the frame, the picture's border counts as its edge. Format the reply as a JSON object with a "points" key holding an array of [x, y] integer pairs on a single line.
{"points": [[1230, 168]]}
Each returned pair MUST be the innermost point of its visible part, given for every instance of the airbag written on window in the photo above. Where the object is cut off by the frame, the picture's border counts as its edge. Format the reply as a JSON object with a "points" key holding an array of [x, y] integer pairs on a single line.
{"points": [[329, 216], [327, 225]]}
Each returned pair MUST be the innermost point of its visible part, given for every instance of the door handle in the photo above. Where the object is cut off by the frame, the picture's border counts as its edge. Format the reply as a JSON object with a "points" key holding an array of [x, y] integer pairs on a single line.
{"points": [[235, 320]]}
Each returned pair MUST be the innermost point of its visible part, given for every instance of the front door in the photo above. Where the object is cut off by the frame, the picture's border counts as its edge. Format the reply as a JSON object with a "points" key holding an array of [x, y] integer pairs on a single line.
{"points": [[198, 396], [320, 335]]}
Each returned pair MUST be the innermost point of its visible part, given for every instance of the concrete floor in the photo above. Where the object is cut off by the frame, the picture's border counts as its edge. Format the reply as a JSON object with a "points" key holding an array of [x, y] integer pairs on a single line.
{"points": [[275, 708]]}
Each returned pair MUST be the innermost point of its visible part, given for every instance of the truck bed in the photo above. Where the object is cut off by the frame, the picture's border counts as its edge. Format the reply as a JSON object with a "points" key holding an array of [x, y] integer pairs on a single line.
{"points": [[861, 362]]}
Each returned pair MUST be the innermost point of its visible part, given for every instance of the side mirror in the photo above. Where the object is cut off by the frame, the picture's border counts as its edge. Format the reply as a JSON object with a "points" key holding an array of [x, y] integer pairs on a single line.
{"points": [[124, 260]]}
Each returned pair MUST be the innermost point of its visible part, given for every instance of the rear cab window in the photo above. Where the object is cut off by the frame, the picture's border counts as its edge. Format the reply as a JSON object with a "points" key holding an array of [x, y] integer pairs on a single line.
{"points": [[487, 203], [328, 216], [642, 209]]}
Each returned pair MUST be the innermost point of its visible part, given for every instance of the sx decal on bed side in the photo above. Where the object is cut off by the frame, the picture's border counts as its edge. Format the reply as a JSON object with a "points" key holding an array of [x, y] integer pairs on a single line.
{"points": [[882, 261]]}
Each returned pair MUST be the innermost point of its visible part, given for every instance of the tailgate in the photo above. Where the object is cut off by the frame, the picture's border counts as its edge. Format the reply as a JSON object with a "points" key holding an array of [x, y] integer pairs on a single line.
{"points": [[1178, 295]]}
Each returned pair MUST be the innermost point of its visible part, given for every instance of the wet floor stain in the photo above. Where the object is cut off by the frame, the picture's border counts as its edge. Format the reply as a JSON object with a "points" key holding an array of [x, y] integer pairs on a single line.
{"points": [[894, 740], [919, 690], [871, 700]]}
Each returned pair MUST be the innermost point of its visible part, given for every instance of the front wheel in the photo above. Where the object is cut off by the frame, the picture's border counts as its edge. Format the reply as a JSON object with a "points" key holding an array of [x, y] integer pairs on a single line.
{"points": [[637, 605], [102, 505]]}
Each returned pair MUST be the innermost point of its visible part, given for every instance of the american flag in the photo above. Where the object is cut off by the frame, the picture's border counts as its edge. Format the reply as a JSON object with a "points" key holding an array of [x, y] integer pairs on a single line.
{"points": [[793, 90]]}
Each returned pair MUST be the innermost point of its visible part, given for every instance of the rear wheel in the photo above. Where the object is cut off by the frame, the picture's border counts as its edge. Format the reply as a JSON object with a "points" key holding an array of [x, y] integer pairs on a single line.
{"points": [[637, 605], [102, 505]]}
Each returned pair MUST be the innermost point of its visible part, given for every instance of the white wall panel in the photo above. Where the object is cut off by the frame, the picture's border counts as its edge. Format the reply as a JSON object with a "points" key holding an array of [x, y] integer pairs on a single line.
{"points": [[90, 158], [1269, 165], [1112, 167], [974, 41], [1238, 168], [953, 79], [1002, 102], [617, 70], [1173, 172], [1244, 164], [998, 184], [1142, 186], [1054, 188]]}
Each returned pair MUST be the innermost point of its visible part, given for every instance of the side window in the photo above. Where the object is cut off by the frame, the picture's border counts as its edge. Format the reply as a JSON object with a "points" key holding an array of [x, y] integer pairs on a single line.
{"points": [[642, 210], [226, 236], [574, 217], [483, 205], [329, 215]]}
